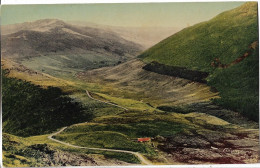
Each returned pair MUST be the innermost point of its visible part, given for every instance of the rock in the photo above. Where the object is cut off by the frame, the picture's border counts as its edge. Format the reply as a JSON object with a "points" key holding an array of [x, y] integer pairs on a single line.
{"points": [[159, 138], [188, 141], [243, 143]]}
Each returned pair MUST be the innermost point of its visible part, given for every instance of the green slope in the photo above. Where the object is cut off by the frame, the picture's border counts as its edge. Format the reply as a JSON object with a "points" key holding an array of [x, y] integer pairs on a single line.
{"points": [[29, 109], [226, 37]]}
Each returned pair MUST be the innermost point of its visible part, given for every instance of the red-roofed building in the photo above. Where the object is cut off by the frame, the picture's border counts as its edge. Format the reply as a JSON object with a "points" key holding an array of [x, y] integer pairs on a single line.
{"points": [[144, 139]]}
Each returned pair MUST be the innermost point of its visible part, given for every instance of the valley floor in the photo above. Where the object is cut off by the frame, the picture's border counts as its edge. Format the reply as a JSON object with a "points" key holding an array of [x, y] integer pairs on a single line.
{"points": [[130, 103]]}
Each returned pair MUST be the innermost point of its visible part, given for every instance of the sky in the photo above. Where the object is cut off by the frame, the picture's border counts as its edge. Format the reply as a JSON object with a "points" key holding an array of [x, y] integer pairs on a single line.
{"points": [[176, 14]]}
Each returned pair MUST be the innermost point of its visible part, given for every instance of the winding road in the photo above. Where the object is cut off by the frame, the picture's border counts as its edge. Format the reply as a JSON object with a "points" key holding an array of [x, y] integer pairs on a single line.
{"points": [[105, 102], [142, 159]]}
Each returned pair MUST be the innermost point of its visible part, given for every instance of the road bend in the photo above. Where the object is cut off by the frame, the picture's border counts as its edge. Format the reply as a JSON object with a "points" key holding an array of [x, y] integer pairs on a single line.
{"points": [[142, 159]]}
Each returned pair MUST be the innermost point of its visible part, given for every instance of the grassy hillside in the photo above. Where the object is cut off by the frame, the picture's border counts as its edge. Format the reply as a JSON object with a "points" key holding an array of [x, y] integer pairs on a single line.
{"points": [[31, 110], [226, 37], [39, 151], [190, 136]]}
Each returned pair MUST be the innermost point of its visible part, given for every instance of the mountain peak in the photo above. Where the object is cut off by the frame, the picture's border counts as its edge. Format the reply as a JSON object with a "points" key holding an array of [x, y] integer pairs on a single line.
{"points": [[49, 22], [42, 25]]}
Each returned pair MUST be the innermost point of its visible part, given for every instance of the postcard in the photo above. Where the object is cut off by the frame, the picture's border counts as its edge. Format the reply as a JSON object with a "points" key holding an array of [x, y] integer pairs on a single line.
{"points": [[126, 84]]}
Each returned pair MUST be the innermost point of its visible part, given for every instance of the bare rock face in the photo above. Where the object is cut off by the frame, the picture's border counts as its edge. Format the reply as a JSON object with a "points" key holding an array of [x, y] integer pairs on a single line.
{"points": [[226, 147], [189, 141]]}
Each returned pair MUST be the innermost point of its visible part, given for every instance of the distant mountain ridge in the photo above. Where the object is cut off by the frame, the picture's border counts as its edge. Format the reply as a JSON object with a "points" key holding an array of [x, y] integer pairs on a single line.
{"points": [[44, 36], [57, 48]]}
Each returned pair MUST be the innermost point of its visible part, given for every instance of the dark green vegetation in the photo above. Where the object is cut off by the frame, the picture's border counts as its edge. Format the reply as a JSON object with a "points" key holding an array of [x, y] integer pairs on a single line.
{"points": [[121, 131], [226, 37], [185, 73], [26, 152], [213, 110], [104, 139], [31, 110], [239, 87]]}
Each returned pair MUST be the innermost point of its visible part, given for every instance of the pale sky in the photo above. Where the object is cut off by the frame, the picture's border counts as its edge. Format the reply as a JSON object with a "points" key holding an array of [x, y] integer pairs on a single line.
{"points": [[176, 14]]}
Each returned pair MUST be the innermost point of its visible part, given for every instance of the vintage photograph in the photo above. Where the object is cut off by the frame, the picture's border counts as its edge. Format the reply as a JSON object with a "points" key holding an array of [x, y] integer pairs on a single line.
{"points": [[121, 84]]}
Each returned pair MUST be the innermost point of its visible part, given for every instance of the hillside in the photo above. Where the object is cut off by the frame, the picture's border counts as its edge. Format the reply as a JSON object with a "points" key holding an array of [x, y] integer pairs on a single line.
{"points": [[37, 110], [56, 47], [227, 36], [228, 39], [38, 151], [130, 80]]}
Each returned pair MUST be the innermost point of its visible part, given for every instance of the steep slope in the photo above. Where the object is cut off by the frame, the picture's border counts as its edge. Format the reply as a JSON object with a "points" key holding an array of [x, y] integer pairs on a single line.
{"points": [[16, 70], [37, 110], [227, 48], [226, 37], [148, 87], [57, 47]]}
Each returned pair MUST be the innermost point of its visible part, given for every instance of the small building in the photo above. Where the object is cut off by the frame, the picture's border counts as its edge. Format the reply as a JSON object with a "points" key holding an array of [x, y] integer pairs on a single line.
{"points": [[144, 139]]}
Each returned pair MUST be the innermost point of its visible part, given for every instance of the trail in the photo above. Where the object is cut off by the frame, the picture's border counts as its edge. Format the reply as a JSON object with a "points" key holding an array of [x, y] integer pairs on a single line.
{"points": [[105, 102], [142, 159]]}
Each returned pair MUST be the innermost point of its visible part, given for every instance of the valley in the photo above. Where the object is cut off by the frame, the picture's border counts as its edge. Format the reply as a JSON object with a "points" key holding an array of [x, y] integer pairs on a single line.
{"points": [[93, 96]]}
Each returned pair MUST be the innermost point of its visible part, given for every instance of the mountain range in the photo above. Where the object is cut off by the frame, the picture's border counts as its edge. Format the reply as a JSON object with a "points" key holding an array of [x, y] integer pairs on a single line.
{"points": [[65, 43]]}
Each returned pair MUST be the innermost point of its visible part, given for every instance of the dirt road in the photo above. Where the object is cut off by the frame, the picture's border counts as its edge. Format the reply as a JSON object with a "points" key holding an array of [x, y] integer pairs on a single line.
{"points": [[104, 101], [142, 159]]}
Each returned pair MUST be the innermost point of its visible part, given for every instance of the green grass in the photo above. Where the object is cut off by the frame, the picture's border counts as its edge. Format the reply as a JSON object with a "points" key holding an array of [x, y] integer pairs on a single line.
{"points": [[122, 131], [133, 130], [19, 152], [128, 103], [239, 86], [97, 108], [29, 109], [67, 65], [104, 139], [227, 37]]}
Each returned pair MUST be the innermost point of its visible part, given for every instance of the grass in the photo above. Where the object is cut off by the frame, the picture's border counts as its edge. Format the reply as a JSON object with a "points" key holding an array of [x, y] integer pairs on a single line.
{"points": [[104, 139], [20, 72], [18, 151], [239, 86], [67, 65], [122, 131], [97, 108], [37, 110], [222, 37], [128, 103], [226, 37]]}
